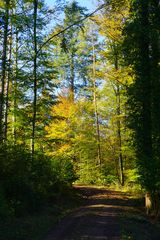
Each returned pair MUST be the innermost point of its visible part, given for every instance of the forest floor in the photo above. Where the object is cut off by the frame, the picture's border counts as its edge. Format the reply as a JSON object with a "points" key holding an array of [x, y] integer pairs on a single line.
{"points": [[106, 215]]}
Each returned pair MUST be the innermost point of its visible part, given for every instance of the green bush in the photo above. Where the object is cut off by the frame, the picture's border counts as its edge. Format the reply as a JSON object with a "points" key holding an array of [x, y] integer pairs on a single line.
{"points": [[27, 183], [110, 179], [89, 173], [15, 163], [64, 176]]}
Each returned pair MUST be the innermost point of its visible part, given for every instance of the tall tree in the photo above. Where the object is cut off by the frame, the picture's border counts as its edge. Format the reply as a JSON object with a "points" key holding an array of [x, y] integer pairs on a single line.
{"points": [[142, 53], [71, 45], [96, 110], [34, 75], [111, 27], [4, 64]]}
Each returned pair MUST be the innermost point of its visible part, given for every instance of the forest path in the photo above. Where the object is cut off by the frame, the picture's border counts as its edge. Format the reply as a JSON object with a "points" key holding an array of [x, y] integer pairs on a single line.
{"points": [[97, 219]]}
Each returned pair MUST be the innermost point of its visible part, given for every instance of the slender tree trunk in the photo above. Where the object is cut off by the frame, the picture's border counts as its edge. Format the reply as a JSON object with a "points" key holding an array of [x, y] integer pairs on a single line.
{"points": [[14, 119], [8, 79], [4, 59], [119, 137], [72, 79], [120, 157], [35, 78], [6, 105], [99, 155]]}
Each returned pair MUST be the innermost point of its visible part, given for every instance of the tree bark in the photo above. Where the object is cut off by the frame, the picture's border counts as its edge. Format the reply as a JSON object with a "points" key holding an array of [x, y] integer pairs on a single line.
{"points": [[119, 135], [35, 78], [8, 80], [72, 79], [3, 78], [99, 155], [15, 106], [120, 158]]}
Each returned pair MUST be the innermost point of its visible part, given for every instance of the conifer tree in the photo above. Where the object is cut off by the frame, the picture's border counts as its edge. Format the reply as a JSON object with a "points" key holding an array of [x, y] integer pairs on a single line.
{"points": [[142, 53]]}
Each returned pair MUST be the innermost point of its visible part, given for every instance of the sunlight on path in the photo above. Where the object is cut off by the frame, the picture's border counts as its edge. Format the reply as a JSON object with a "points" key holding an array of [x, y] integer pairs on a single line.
{"points": [[96, 220]]}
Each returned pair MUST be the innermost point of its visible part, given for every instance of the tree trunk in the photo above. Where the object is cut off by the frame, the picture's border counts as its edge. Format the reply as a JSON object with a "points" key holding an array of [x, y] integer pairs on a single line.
{"points": [[8, 79], [148, 203], [99, 155], [118, 109], [4, 59], [72, 79], [152, 203], [119, 137], [14, 119], [35, 78]]}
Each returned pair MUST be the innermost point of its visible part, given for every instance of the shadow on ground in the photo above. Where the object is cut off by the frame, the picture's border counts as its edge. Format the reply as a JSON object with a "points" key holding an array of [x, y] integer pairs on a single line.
{"points": [[104, 215]]}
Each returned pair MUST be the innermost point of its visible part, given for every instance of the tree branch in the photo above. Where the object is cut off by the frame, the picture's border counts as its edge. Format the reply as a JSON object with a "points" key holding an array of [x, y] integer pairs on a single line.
{"points": [[70, 26]]}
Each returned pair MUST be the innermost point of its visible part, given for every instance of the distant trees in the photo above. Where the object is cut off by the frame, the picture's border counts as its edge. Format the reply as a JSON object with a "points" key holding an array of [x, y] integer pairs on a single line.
{"points": [[75, 62], [117, 78], [70, 57], [94, 60]]}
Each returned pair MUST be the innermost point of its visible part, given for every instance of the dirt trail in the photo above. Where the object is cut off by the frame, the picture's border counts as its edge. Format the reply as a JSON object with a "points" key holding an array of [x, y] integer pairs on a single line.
{"points": [[97, 219]]}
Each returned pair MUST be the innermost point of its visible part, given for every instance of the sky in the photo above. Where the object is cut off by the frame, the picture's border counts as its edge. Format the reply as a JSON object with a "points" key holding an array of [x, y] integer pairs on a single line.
{"points": [[90, 4]]}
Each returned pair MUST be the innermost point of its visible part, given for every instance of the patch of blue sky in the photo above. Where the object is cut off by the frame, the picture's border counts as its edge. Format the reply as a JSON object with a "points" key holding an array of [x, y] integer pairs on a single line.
{"points": [[89, 4]]}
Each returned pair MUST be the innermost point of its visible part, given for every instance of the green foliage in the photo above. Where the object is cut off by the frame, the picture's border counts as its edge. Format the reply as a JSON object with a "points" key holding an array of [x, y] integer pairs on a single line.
{"points": [[89, 172], [15, 175], [110, 180], [63, 167], [142, 53], [28, 182]]}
